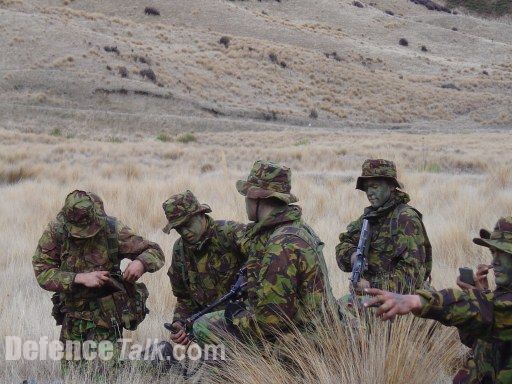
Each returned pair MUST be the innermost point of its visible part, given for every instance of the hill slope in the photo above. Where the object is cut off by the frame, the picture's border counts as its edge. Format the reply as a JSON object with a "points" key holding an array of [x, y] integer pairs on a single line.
{"points": [[283, 62]]}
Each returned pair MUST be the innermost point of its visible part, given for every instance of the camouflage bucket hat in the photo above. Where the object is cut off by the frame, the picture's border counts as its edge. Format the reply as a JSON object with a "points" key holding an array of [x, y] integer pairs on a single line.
{"points": [[268, 179], [181, 207], [500, 238], [377, 168], [81, 217]]}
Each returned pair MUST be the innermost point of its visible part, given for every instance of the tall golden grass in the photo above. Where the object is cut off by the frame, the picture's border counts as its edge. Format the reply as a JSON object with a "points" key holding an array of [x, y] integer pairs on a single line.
{"points": [[460, 181]]}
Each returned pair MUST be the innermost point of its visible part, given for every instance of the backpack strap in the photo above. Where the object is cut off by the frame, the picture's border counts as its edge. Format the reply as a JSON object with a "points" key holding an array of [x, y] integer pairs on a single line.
{"points": [[113, 243]]}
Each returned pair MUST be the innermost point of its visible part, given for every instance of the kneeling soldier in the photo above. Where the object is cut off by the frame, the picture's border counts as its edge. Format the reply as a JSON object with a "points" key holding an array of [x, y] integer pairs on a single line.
{"points": [[287, 281], [205, 259], [78, 257]]}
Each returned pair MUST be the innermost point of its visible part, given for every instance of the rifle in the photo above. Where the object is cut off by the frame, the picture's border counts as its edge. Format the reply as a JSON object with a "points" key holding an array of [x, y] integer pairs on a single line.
{"points": [[233, 294], [361, 262]]}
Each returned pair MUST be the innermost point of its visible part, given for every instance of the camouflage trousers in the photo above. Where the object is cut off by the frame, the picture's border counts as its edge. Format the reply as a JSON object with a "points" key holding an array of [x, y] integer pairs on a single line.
{"points": [[211, 328], [79, 331]]}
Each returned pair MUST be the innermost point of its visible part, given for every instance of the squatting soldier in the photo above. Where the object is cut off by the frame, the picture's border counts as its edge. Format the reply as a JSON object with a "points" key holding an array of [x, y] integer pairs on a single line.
{"points": [[287, 281], [480, 315], [205, 258], [399, 254], [78, 257]]}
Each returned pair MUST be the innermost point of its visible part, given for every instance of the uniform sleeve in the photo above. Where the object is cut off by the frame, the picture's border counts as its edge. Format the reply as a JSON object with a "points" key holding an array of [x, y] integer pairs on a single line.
{"points": [[470, 311], [348, 245], [134, 247], [410, 257], [272, 298], [185, 306], [46, 263]]}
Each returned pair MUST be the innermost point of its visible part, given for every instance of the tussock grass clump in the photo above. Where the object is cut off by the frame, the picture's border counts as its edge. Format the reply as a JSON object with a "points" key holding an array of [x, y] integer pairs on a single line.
{"points": [[164, 137], [356, 349], [187, 138], [15, 174]]}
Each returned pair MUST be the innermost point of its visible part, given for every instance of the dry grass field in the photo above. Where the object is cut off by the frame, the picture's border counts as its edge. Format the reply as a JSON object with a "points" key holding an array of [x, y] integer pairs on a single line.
{"points": [[460, 181], [98, 95]]}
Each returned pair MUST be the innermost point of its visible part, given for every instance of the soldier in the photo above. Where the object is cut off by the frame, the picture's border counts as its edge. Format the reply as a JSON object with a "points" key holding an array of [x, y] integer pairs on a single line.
{"points": [[479, 314], [287, 280], [205, 258], [399, 255], [78, 257]]}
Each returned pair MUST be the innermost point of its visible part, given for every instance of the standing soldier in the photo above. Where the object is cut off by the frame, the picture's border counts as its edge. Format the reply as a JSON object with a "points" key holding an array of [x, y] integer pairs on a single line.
{"points": [[399, 254], [78, 257], [287, 281], [205, 258], [479, 314]]}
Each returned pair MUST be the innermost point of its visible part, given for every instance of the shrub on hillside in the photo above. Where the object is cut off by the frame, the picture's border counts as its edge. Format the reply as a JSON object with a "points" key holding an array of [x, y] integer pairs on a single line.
{"points": [[487, 7]]}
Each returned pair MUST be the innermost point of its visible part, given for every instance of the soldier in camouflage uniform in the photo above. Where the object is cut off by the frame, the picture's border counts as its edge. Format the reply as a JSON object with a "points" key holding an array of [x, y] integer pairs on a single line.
{"points": [[287, 281], [481, 316], [205, 259], [78, 257], [399, 254]]}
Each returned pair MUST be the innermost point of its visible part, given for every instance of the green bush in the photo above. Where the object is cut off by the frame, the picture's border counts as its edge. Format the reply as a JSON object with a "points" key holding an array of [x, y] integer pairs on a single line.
{"points": [[487, 7], [187, 138], [164, 137]]}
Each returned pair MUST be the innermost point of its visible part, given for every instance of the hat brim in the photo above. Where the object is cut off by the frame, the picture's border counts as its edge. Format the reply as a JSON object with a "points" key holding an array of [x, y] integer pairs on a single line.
{"points": [[254, 192], [203, 208], [83, 232], [362, 179], [504, 246]]}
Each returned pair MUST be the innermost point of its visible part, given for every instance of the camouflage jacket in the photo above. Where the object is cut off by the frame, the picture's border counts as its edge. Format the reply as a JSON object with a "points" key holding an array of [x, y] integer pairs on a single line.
{"points": [[201, 274], [486, 317], [286, 274], [59, 257], [399, 255]]}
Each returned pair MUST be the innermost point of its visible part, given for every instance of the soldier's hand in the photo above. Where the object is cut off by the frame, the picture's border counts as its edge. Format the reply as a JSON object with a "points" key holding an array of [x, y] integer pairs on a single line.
{"points": [[361, 286], [392, 304], [133, 271], [481, 276], [180, 336], [94, 279], [353, 258]]}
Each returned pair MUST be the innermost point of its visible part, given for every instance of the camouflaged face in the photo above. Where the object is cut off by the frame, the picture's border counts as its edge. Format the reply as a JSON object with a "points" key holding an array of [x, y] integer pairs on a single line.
{"points": [[179, 208], [399, 259], [203, 273], [483, 318], [500, 238], [377, 168], [267, 179], [80, 214]]}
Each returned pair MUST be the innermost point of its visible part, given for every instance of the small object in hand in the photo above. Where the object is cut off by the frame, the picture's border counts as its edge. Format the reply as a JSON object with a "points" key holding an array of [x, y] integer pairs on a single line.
{"points": [[467, 275]]}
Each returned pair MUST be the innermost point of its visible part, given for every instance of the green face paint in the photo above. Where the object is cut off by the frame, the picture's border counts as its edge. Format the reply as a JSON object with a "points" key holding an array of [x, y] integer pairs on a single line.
{"points": [[378, 192], [192, 230], [502, 264]]}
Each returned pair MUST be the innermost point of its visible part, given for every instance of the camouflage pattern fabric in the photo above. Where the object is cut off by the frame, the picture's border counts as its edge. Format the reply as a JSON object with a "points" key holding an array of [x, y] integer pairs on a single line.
{"points": [[399, 258], [209, 328], [202, 273], [377, 168], [285, 278], [181, 207], [487, 318], [62, 253]]}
